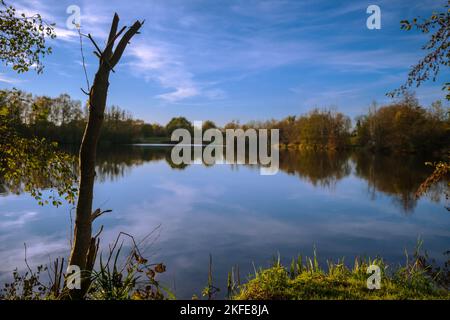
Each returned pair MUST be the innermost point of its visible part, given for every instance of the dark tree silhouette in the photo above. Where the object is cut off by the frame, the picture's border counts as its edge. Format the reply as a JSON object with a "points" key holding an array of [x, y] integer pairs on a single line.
{"points": [[85, 246]]}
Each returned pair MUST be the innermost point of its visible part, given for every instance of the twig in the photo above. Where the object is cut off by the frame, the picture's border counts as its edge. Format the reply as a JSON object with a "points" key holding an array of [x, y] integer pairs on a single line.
{"points": [[95, 45], [26, 261], [97, 213], [29, 269], [83, 62]]}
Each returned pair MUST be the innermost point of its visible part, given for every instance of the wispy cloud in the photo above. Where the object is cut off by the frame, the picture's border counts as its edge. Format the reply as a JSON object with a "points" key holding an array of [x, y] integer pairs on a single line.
{"points": [[158, 62], [16, 219], [193, 53], [9, 80], [66, 34], [163, 63]]}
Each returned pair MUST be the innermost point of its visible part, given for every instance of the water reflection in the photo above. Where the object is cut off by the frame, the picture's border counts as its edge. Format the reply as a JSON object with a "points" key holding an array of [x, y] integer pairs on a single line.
{"points": [[116, 162], [344, 204], [395, 176], [318, 168]]}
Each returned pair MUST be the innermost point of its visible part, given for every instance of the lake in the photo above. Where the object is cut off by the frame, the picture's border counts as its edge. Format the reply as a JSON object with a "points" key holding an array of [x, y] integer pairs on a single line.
{"points": [[344, 204]]}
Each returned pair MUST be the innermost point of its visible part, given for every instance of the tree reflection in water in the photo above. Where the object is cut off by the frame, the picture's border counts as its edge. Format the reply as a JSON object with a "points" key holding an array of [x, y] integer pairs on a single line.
{"points": [[392, 175]]}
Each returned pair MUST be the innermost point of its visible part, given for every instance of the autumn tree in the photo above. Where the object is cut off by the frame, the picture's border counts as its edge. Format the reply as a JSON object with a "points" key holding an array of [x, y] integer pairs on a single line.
{"points": [[208, 124], [404, 126]]}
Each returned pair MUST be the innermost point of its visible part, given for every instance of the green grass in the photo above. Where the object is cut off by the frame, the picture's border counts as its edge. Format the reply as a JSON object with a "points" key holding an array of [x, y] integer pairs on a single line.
{"points": [[303, 279], [308, 281]]}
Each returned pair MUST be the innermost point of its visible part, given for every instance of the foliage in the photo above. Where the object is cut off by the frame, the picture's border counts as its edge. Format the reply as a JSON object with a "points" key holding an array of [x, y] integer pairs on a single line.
{"points": [[63, 119], [404, 126], [22, 39], [438, 24], [26, 287], [428, 68], [208, 124], [28, 163], [441, 170], [112, 280], [178, 123], [419, 278], [33, 164], [319, 129], [29, 286], [324, 129], [135, 279]]}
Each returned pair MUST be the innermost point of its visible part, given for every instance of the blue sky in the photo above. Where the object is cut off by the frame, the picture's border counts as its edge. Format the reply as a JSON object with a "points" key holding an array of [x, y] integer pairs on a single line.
{"points": [[248, 59]]}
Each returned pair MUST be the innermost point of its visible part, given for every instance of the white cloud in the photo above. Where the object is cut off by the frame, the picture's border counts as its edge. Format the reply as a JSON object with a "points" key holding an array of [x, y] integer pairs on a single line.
{"points": [[179, 94], [6, 79], [17, 219], [65, 34], [190, 53], [158, 62]]}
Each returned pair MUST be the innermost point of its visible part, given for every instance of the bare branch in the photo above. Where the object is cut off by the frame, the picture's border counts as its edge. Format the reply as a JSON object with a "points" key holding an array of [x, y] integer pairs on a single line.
{"points": [[112, 35], [95, 45], [99, 232], [97, 213], [124, 42], [110, 44]]}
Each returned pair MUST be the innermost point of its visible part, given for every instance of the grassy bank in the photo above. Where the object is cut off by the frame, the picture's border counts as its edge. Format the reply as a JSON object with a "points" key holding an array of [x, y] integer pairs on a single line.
{"points": [[304, 281]]}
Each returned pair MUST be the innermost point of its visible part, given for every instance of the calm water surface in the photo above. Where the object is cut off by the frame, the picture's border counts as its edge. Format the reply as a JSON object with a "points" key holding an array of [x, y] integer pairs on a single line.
{"points": [[344, 204]]}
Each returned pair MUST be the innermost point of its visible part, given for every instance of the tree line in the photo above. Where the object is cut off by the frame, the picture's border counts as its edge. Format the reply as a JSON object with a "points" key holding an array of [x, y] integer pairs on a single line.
{"points": [[63, 119], [403, 125]]}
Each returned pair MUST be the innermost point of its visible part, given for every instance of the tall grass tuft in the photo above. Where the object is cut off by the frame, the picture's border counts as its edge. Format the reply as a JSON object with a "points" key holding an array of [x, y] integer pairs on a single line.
{"points": [[419, 278]]}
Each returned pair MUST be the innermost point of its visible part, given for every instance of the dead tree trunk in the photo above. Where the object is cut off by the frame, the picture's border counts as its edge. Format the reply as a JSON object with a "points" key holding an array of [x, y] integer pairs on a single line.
{"points": [[84, 246]]}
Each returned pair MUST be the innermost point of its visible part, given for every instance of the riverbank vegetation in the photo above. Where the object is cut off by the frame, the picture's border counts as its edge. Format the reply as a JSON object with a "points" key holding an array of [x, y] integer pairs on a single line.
{"points": [[117, 276], [133, 277], [339, 282], [306, 280]]}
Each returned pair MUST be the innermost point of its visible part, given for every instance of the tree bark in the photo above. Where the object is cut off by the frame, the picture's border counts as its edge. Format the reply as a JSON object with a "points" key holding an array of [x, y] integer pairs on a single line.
{"points": [[82, 248]]}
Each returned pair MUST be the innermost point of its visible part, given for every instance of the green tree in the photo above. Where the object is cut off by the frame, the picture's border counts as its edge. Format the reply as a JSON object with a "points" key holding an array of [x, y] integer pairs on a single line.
{"points": [[32, 164], [22, 46], [146, 130], [323, 129], [22, 39], [158, 130], [178, 123]]}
